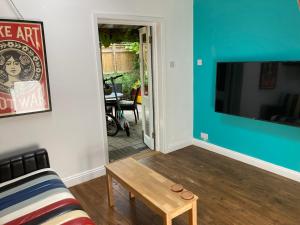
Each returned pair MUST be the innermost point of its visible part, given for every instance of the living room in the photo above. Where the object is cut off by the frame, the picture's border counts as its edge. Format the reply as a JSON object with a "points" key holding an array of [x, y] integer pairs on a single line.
{"points": [[192, 37]]}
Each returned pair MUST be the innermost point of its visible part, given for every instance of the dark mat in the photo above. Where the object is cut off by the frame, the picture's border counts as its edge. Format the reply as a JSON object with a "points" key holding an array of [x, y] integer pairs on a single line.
{"points": [[124, 152]]}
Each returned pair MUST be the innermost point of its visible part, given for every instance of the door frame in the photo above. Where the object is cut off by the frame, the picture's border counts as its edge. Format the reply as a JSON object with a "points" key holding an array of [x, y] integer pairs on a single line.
{"points": [[159, 71]]}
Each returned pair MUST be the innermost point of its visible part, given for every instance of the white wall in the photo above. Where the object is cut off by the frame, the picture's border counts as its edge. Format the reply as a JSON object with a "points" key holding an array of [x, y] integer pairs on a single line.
{"points": [[72, 131]]}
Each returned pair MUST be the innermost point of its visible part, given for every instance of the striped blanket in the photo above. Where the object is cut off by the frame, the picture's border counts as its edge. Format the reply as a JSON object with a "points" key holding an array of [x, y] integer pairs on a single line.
{"points": [[39, 197]]}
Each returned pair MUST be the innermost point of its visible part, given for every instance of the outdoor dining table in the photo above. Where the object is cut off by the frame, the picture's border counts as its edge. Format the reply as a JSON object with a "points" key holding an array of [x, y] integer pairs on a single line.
{"points": [[110, 100], [112, 96]]}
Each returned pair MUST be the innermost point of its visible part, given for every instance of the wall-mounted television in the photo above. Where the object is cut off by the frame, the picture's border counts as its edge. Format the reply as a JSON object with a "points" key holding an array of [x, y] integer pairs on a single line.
{"points": [[268, 91]]}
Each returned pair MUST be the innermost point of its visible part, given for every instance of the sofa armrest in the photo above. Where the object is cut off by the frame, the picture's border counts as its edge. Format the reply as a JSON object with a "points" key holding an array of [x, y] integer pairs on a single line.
{"points": [[22, 164]]}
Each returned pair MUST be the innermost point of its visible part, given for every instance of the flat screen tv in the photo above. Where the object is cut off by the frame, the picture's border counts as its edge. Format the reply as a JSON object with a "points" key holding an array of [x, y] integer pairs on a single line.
{"points": [[268, 91]]}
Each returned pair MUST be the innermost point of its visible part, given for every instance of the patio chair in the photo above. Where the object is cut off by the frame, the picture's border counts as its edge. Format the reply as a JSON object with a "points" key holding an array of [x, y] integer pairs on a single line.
{"points": [[131, 105]]}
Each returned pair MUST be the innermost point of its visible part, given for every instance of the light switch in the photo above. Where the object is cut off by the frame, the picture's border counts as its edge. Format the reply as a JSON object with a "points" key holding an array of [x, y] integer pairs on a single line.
{"points": [[199, 62]]}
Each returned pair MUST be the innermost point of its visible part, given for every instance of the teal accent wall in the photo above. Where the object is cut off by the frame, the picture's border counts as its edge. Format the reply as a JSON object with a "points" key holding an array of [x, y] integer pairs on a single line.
{"points": [[247, 30]]}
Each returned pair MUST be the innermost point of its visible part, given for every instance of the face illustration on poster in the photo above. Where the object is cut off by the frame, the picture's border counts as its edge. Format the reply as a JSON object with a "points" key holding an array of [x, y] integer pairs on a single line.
{"points": [[14, 67]]}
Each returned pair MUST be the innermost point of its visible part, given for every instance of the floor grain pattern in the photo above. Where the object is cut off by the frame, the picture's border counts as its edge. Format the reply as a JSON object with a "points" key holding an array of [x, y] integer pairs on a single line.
{"points": [[230, 193]]}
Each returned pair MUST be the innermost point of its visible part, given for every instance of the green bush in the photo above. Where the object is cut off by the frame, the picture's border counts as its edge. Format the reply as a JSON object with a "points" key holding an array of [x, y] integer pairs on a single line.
{"points": [[128, 80]]}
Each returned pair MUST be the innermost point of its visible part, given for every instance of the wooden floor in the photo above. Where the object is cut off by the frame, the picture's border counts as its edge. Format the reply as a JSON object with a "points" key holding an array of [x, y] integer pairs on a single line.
{"points": [[230, 193]]}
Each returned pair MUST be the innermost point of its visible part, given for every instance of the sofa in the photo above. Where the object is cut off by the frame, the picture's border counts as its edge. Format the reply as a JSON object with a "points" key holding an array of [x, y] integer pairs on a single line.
{"points": [[33, 193]]}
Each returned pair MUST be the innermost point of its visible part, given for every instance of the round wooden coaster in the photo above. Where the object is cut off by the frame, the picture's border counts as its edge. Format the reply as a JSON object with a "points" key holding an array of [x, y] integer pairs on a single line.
{"points": [[187, 195], [177, 188]]}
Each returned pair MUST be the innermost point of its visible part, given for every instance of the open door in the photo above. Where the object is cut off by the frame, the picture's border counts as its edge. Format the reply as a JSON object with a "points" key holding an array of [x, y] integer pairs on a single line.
{"points": [[146, 86]]}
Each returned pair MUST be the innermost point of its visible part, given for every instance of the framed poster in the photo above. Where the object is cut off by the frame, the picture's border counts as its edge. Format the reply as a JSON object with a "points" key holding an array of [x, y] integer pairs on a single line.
{"points": [[268, 75], [24, 83]]}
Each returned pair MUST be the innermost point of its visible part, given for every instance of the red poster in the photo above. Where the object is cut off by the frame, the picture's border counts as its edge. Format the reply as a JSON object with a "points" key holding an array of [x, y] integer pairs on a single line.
{"points": [[24, 85]]}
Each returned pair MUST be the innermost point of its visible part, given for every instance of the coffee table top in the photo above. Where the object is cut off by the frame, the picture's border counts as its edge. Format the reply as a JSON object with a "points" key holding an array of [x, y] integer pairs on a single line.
{"points": [[150, 185]]}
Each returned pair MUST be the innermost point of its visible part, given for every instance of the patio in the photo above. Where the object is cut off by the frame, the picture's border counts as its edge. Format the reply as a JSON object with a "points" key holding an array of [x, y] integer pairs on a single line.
{"points": [[121, 146]]}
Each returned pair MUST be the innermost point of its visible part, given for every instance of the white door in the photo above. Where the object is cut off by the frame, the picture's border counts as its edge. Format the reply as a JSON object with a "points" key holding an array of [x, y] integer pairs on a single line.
{"points": [[146, 86]]}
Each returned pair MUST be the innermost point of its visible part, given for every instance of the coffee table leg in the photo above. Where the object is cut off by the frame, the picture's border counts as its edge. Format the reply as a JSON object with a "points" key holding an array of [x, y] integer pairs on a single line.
{"points": [[193, 214], [167, 220], [109, 189]]}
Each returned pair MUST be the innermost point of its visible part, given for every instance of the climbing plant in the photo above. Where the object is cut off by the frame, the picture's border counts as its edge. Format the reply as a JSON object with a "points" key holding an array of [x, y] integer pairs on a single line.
{"points": [[112, 36]]}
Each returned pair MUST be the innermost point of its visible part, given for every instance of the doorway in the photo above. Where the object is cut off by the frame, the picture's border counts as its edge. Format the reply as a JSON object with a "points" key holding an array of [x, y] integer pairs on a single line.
{"points": [[126, 59]]}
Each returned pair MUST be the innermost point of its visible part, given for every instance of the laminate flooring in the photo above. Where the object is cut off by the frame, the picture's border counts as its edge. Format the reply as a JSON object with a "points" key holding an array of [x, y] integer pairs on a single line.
{"points": [[230, 193]]}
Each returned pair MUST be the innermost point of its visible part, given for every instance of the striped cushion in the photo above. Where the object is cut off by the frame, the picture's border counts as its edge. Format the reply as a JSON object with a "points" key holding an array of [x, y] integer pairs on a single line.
{"points": [[39, 197]]}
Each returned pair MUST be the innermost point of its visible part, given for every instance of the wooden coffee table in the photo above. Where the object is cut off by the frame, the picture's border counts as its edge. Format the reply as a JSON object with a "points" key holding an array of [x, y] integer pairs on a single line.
{"points": [[151, 188]]}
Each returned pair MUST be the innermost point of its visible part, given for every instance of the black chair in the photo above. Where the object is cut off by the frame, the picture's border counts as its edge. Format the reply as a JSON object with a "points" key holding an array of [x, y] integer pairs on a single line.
{"points": [[131, 105]]}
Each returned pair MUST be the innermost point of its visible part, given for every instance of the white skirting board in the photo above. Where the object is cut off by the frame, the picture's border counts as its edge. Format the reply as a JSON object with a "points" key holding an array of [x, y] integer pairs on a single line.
{"points": [[282, 171], [84, 176], [179, 145]]}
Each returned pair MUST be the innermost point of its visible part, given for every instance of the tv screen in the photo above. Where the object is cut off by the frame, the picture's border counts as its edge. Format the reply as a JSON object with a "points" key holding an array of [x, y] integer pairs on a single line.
{"points": [[268, 91]]}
